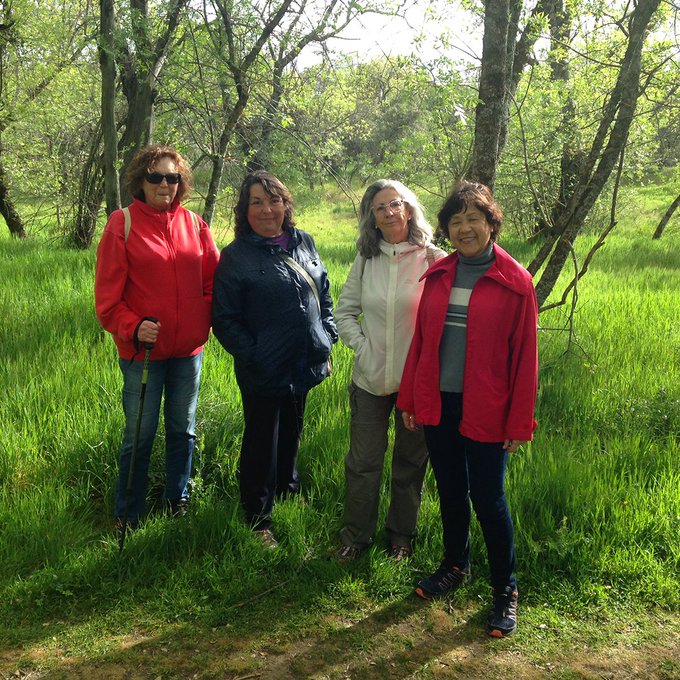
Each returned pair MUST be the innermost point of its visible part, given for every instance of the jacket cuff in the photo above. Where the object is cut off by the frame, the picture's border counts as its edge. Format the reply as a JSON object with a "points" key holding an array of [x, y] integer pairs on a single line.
{"points": [[135, 338]]}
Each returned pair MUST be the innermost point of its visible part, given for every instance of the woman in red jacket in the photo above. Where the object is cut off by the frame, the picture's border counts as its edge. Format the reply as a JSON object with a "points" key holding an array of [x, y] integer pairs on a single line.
{"points": [[153, 284], [470, 379]]}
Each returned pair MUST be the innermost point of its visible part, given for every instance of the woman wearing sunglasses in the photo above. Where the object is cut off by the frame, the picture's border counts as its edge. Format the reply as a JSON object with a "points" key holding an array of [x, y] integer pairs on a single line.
{"points": [[153, 288], [376, 315]]}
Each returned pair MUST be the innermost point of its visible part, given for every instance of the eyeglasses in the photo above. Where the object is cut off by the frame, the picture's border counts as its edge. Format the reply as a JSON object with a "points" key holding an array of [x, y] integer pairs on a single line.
{"points": [[397, 205], [158, 177]]}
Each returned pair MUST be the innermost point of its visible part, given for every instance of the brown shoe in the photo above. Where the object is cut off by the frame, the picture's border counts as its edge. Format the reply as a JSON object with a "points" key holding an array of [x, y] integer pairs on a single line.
{"points": [[399, 553], [347, 553], [266, 537]]}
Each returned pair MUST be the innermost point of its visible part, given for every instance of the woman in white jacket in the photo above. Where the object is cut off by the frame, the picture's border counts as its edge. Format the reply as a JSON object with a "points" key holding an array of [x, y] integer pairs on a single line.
{"points": [[375, 317]]}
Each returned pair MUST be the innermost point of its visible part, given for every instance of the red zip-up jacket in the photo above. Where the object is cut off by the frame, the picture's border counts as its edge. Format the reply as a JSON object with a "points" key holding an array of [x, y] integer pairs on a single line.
{"points": [[501, 359], [165, 271]]}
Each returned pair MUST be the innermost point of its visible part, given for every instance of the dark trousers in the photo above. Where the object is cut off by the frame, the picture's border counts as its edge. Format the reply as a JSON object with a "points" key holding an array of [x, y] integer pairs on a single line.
{"points": [[470, 470], [268, 466]]}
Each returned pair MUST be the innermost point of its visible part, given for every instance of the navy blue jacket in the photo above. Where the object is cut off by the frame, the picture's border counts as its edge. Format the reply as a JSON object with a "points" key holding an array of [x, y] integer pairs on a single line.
{"points": [[265, 315]]}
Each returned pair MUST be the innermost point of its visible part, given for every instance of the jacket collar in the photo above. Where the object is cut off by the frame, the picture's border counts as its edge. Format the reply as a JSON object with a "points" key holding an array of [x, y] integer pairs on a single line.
{"points": [[392, 249], [261, 242], [505, 270], [152, 212]]}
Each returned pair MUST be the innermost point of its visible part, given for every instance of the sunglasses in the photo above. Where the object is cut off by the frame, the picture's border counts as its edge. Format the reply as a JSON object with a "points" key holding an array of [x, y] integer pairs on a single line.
{"points": [[157, 177]]}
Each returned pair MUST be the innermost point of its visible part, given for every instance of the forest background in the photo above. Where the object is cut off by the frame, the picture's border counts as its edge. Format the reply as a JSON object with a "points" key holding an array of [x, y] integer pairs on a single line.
{"points": [[568, 109]]}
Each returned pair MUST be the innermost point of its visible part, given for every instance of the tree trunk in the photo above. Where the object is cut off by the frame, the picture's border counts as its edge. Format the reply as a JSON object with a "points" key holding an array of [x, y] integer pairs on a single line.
{"points": [[141, 72], [7, 209], [90, 196], [218, 158], [107, 66], [491, 108], [138, 124], [666, 218], [217, 162], [516, 58], [572, 157], [503, 60], [608, 145], [88, 211], [260, 148]]}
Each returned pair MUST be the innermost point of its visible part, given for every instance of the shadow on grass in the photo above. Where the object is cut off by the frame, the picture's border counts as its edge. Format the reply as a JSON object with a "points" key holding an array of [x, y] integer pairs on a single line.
{"points": [[279, 632]]}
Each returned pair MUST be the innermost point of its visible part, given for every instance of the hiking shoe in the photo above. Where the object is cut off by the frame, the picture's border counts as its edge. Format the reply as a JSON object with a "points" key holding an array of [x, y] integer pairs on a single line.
{"points": [[399, 553], [347, 553], [444, 580], [118, 527], [179, 507], [502, 620], [266, 538]]}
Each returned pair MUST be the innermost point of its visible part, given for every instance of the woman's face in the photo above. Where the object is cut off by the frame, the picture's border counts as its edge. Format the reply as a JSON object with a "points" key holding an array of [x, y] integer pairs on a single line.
{"points": [[391, 215], [161, 196], [265, 213], [469, 231]]}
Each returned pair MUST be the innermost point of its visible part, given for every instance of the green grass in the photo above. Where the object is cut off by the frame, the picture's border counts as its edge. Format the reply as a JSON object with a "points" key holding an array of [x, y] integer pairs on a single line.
{"points": [[596, 497]]}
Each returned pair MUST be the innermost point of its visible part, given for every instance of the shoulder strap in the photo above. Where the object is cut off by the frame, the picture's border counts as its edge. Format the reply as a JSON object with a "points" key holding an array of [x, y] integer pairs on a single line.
{"points": [[303, 273], [128, 221], [363, 266], [194, 221], [429, 253]]}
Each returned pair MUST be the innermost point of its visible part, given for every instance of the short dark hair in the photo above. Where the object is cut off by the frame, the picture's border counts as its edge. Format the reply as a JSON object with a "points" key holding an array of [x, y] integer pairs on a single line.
{"points": [[272, 187], [146, 158], [465, 194]]}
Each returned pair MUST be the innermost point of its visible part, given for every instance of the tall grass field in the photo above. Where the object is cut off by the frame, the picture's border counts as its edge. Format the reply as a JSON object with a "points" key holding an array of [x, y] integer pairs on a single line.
{"points": [[595, 497]]}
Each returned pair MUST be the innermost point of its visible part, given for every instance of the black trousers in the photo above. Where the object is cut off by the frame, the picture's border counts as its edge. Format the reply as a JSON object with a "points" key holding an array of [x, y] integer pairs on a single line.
{"points": [[268, 466]]}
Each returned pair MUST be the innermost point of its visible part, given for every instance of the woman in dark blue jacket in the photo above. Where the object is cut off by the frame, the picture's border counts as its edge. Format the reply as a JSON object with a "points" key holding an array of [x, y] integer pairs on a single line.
{"points": [[273, 312]]}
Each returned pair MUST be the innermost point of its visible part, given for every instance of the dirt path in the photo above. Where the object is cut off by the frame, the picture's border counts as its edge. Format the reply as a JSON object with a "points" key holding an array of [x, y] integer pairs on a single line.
{"points": [[422, 642]]}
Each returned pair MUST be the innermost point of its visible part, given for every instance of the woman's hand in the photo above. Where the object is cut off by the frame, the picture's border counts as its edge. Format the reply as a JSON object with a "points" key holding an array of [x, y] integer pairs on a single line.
{"points": [[511, 445], [410, 421], [148, 331]]}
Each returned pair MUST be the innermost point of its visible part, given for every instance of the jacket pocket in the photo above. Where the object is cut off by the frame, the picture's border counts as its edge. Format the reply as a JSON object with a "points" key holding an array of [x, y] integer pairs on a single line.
{"points": [[320, 344], [193, 327]]}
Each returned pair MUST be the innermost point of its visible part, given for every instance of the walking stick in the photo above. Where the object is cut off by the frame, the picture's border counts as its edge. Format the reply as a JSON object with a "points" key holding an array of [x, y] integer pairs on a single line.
{"points": [[135, 442]]}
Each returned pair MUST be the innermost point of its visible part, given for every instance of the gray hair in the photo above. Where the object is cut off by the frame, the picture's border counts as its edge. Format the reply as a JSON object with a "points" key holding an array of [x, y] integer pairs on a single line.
{"points": [[419, 229]]}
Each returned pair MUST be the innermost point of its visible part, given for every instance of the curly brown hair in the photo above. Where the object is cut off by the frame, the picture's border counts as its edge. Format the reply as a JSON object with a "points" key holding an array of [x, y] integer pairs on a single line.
{"points": [[144, 161], [465, 194], [273, 187]]}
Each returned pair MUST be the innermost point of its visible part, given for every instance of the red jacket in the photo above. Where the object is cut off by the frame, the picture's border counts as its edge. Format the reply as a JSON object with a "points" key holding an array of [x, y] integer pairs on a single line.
{"points": [[165, 270], [501, 360]]}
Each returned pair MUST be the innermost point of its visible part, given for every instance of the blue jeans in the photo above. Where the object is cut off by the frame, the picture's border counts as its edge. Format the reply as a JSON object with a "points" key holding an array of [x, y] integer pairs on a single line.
{"points": [[179, 379], [466, 470]]}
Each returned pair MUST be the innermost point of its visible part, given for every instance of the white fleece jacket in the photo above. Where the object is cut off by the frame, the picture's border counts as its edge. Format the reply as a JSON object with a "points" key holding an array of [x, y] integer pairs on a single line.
{"points": [[376, 312]]}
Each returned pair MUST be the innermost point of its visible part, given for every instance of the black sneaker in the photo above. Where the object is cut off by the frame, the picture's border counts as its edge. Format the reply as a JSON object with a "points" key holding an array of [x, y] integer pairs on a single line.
{"points": [[444, 580], [179, 507], [131, 525], [502, 620]]}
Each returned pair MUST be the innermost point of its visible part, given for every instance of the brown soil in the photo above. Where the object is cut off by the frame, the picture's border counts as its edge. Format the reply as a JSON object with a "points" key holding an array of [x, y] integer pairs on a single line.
{"points": [[423, 642]]}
